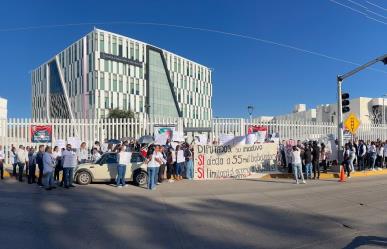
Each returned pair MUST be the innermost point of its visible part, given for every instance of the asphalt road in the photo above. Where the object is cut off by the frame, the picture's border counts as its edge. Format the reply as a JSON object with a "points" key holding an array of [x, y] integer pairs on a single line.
{"points": [[212, 214]]}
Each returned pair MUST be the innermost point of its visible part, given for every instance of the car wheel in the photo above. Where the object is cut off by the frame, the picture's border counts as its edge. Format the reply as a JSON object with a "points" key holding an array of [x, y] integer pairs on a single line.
{"points": [[140, 178], [83, 178]]}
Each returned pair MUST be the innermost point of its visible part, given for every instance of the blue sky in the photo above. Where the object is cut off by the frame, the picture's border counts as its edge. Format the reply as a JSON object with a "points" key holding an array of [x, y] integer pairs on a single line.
{"points": [[246, 71]]}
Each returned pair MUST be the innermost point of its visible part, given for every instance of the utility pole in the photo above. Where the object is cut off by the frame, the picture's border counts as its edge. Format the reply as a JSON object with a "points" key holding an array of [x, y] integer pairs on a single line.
{"points": [[340, 79]]}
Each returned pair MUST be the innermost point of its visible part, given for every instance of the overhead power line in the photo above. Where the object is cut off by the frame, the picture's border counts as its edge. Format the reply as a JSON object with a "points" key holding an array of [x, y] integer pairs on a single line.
{"points": [[274, 43], [365, 14]]}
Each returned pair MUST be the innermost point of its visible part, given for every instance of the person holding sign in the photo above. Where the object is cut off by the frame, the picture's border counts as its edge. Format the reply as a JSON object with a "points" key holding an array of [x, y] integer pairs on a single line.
{"points": [[48, 169]]}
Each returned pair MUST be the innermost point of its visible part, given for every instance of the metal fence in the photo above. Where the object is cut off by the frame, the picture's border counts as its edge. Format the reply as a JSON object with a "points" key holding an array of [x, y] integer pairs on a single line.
{"points": [[18, 131]]}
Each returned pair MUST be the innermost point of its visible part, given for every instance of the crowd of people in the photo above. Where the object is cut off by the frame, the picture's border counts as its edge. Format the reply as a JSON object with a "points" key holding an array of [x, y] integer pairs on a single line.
{"points": [[304, 158], [170, 162]]}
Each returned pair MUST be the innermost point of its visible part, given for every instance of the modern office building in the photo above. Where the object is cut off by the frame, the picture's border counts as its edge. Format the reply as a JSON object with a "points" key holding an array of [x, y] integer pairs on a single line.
{"points": [[104, 71]]}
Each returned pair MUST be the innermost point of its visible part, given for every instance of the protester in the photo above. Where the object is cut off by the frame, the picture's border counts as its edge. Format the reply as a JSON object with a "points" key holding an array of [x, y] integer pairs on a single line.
{"points": [[48, 169], [57, 155], [153, 162], [346, 163], [188, 154], [380, 154], [69, 159], [22, 161], [13, 160], [83, 154], [95, 154], [2, 157], [171, 160], [161, 154], [123, 159], [316, 160], [39, 162], [352, 157], [361, 155], [308, 161], [31, 166], [296, 162], [180, 161]]}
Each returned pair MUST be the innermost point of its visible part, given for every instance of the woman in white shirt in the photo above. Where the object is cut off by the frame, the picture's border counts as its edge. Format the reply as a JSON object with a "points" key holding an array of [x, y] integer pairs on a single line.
{"points": [[123, 159], [83, 154], [153, 163], [296, 163], [180, 162], [96, 155]]}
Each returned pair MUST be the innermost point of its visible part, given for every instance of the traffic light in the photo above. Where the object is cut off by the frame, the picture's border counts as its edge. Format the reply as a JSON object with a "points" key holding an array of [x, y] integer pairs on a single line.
{"points": [[345, 102]]}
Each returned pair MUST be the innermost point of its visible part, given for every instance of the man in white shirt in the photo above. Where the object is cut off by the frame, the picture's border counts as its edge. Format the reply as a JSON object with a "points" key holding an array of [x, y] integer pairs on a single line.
{"points": [[69, 160], [2, 157], [22, 160]]}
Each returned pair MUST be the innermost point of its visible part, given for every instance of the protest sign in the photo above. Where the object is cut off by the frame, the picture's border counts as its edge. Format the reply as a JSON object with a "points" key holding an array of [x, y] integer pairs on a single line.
{"points": [[41, 133], [60, 143], [178, 136], [251, 138], [225, 138], [226, 161], [202, 139], [161, 139], [75, 142]]}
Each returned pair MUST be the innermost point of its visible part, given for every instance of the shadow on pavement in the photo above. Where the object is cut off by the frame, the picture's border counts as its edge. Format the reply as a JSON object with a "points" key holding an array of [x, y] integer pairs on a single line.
{"points": [[359, 241], [98, 217]]}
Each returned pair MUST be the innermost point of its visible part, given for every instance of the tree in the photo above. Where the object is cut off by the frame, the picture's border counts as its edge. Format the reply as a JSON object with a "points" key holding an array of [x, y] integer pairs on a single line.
{"points": [[117, 113]]}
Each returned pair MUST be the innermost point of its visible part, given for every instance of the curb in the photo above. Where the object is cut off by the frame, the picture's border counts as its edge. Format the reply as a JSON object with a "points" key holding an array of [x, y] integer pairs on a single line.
{"points": [[329, 175]]}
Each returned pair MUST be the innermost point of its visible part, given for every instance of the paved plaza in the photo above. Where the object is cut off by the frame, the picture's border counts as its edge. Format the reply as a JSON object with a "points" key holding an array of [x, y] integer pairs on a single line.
{"points": [[209, 214]]}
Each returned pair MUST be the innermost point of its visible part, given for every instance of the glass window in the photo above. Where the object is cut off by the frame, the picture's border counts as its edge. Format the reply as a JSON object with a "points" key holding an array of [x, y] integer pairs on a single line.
{"points": [[107, 102], [120, 47], [137, 54], [115, 83], [114, 46], [102, 81], [160, 92], [137, 87], [106, 66], [120, 84], [101, 43], [131, 86], [132, 50]]}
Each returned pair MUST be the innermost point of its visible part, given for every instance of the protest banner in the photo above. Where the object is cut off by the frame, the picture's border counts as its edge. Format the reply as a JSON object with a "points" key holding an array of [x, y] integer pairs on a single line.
{"points": [[164, 129], [75, 142], [41, 133], [251, 138], [234, 162]]}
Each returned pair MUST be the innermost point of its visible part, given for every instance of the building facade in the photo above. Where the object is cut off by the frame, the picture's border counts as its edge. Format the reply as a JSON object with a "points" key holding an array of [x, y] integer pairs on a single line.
{"points": [[104, 71], [367, 110]]}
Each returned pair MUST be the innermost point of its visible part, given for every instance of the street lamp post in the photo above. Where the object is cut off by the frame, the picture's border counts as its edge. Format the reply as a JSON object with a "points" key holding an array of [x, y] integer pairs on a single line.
{"points": [[340, 79], [250, 110]]}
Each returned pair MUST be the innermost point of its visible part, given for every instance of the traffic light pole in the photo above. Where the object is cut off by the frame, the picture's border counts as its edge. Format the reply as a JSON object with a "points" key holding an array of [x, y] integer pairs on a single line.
{"points": [[340, 130], [340, 126]]}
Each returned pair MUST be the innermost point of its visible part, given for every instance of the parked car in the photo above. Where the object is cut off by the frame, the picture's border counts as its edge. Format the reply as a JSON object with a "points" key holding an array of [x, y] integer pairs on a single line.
{"points": [[105, 170]]}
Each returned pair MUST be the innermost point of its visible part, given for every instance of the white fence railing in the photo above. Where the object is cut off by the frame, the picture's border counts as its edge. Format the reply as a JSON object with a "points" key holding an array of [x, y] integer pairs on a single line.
{"points": [[18, 131]]}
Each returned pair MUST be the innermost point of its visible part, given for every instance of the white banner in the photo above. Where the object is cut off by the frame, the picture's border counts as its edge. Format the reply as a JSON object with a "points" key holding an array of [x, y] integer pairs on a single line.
{"points": [[226, 161]]}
